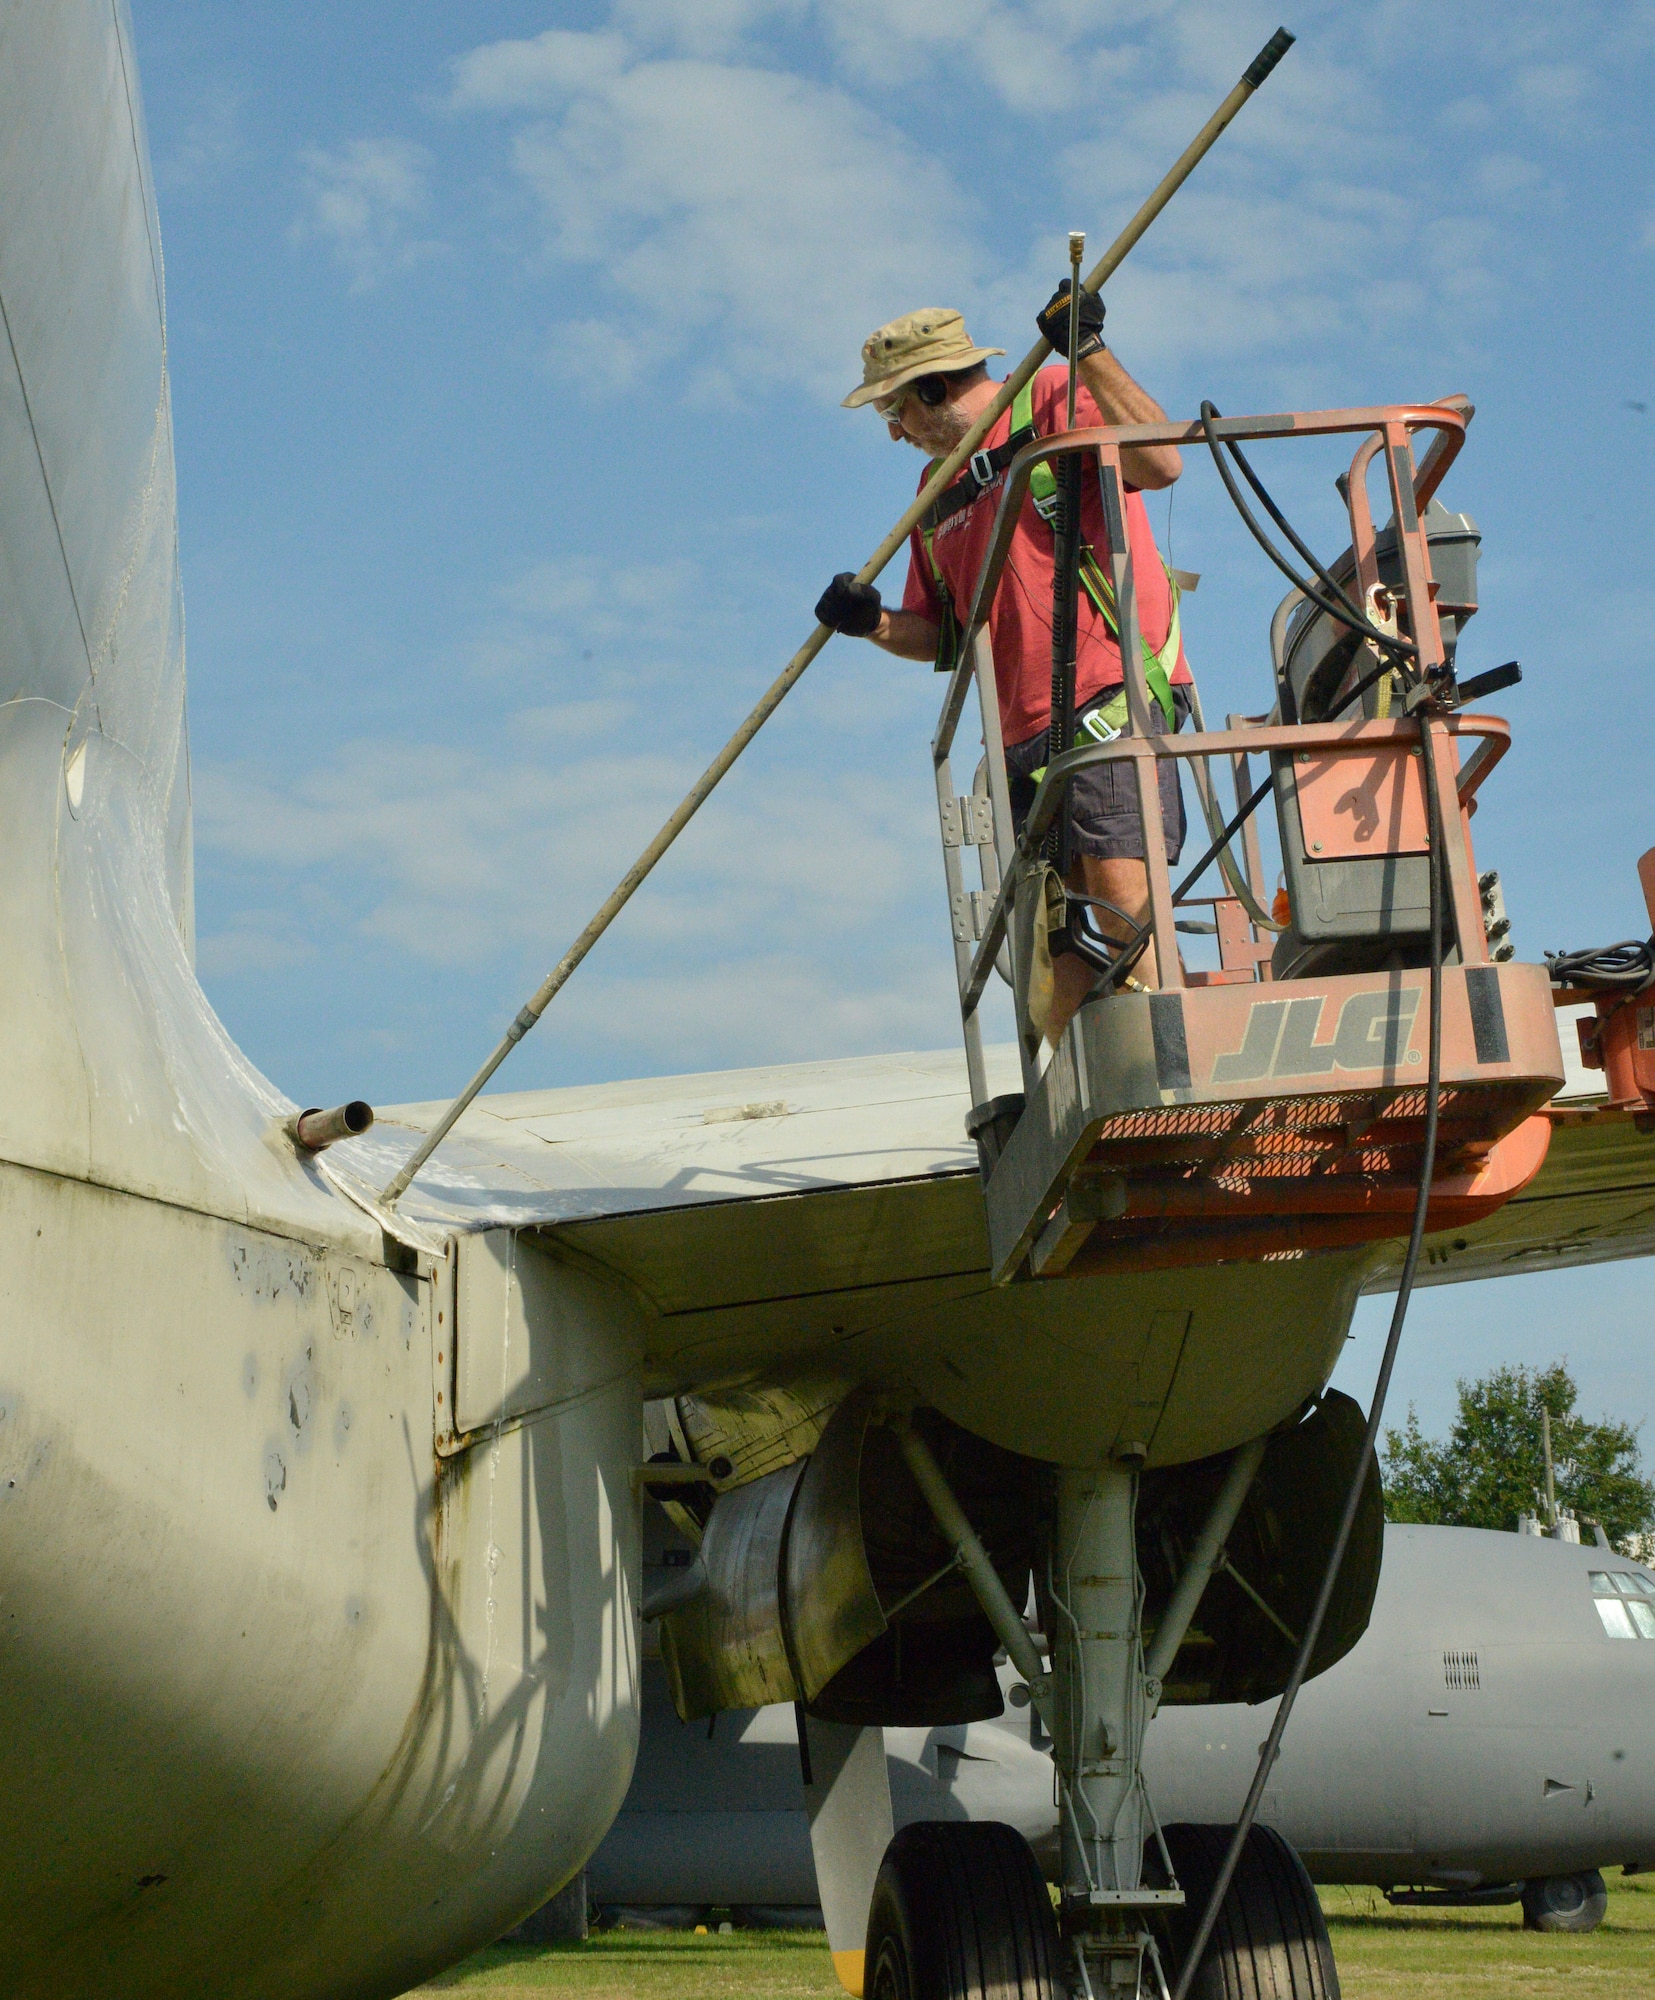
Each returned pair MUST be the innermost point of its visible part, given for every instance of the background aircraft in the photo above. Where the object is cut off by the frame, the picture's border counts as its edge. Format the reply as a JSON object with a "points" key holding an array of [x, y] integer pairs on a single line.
{"points": [[1492, 1733]]}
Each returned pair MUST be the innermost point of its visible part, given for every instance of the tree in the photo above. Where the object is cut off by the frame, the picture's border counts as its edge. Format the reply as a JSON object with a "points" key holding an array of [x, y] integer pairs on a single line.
{"points": [[1491, 1467]]}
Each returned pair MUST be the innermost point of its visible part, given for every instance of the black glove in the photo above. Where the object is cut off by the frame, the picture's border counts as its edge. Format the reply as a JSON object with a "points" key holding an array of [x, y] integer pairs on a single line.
{"points": [[1053, 322], [849, 607]]}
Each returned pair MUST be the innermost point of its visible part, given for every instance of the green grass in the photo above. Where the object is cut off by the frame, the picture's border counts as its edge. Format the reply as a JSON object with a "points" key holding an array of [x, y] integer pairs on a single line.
{"points": [[653, 1965], [1388, 1954], [1382, 1953]]}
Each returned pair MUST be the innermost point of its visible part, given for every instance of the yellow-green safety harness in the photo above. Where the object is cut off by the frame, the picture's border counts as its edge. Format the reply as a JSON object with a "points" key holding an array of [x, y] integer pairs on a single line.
{"points": [[1106, 723]]}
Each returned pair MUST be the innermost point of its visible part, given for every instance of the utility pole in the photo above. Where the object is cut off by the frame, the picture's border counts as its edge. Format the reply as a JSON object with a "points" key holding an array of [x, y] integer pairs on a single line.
{"points": [[1551, 1477]]}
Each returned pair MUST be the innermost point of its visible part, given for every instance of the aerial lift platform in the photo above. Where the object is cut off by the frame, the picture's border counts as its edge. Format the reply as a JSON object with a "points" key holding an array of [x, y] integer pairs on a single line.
{"points": [[1274, 1105]]}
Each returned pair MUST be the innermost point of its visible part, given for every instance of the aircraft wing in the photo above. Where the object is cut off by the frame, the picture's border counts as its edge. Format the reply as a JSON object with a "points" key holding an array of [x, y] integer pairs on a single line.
{"points": [[607, 1153], [766, 1194], [1591, 1203], [739, 1204]]}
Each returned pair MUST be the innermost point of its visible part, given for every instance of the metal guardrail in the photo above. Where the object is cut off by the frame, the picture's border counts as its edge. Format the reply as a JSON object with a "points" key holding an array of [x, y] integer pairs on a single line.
{"points": [[982, 817]]}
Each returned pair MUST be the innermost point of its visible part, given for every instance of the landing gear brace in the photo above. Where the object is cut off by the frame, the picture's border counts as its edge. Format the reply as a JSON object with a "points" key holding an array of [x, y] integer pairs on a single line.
{"points": [[1095, 1701]]}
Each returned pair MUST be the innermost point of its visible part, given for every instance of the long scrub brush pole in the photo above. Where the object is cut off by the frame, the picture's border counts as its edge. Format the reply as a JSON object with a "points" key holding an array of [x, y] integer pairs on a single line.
{"points": [[1077, 250], [622, 893]]}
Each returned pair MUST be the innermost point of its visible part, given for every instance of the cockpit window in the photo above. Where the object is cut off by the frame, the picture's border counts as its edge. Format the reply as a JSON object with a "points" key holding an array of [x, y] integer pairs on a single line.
{"points": [[1626, 1603]]}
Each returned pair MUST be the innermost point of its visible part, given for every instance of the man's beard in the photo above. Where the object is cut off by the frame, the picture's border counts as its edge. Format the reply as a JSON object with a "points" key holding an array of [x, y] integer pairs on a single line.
{"points": [[946, 425]]}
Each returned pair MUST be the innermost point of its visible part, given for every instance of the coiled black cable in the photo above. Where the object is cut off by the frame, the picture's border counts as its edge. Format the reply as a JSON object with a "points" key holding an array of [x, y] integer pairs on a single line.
{"points": [[1627, 967]]}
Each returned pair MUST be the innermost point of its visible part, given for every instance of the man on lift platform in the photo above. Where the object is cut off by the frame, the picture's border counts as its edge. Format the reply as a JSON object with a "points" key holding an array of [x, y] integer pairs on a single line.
{"points": [[924, 376]]}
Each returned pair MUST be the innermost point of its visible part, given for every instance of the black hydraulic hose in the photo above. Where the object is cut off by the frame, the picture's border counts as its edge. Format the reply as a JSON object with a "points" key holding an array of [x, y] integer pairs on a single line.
{"points": [[1353, 1499], [1338, 604], [1338, 607], [1098, 903], [1627, 967], [1329, 581], [1356, 693]]}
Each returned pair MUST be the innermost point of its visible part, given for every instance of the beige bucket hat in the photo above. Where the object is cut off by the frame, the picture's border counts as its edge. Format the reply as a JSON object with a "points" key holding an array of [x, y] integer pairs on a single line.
{"points": [[932, 341]]}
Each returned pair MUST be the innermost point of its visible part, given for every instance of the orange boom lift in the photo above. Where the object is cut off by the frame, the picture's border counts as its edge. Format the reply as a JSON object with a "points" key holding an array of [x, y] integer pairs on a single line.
{"points": [[1277, 1103]]}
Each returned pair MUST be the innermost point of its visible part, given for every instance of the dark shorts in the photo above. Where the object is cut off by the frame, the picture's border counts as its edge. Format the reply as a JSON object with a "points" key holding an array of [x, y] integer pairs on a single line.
{"points": [[1104, 798]]}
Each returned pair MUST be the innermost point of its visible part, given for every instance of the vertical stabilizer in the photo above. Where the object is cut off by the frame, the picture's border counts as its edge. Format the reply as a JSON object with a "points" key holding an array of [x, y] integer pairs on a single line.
{"points": [[112, 1066]]}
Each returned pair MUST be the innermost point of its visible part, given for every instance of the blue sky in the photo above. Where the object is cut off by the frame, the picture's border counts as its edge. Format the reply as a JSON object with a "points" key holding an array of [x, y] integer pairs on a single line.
{"points": [[507, 344]]}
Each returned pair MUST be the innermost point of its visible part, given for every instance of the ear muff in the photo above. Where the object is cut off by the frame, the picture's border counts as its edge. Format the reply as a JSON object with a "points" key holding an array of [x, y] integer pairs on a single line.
{"points": [[932, 390]]}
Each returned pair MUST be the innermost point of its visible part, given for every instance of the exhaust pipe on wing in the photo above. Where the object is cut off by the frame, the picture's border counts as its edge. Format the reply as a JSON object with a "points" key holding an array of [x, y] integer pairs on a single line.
{"points": [[314, 1130]]}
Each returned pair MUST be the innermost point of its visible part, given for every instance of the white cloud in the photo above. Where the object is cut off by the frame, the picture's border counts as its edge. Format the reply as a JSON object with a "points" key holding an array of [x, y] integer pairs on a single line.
{"points": [[365, 203], [782, 1008], [755, 224], [537, 75], [1245, 269], [1508, 176], [452, 854], [800, 913], [705, 27], [450, 848], [257, 942], [212, 142], [800, 910], [605, 360], [751, 224], [572, 721], [1035, 57], [568, 625], [1553, 93], [605, 597]]}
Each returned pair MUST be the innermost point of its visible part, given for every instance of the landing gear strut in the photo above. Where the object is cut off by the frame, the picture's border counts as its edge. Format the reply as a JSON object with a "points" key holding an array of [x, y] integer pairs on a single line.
{"points": [[1130, 1896], [1092, 1602], [1095, 1703]]}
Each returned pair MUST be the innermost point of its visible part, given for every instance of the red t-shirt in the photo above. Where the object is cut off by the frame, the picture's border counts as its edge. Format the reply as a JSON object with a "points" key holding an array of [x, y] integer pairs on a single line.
{"points": [[1020, 624]]}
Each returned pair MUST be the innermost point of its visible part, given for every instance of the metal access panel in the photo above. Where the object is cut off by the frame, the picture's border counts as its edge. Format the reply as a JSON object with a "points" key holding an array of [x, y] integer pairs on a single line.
{"points": [[533, 1330], [1354, 843], [1353, 834]]}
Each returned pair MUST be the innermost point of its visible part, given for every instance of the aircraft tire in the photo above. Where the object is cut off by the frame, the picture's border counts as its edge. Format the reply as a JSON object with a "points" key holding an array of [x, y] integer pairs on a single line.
{"points": [[960, 1912], [1271, 1941], [1565, 1902]]}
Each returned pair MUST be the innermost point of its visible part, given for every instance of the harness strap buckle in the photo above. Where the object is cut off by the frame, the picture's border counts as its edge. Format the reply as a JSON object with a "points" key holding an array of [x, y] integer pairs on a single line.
{"points": [[982, 468]]}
